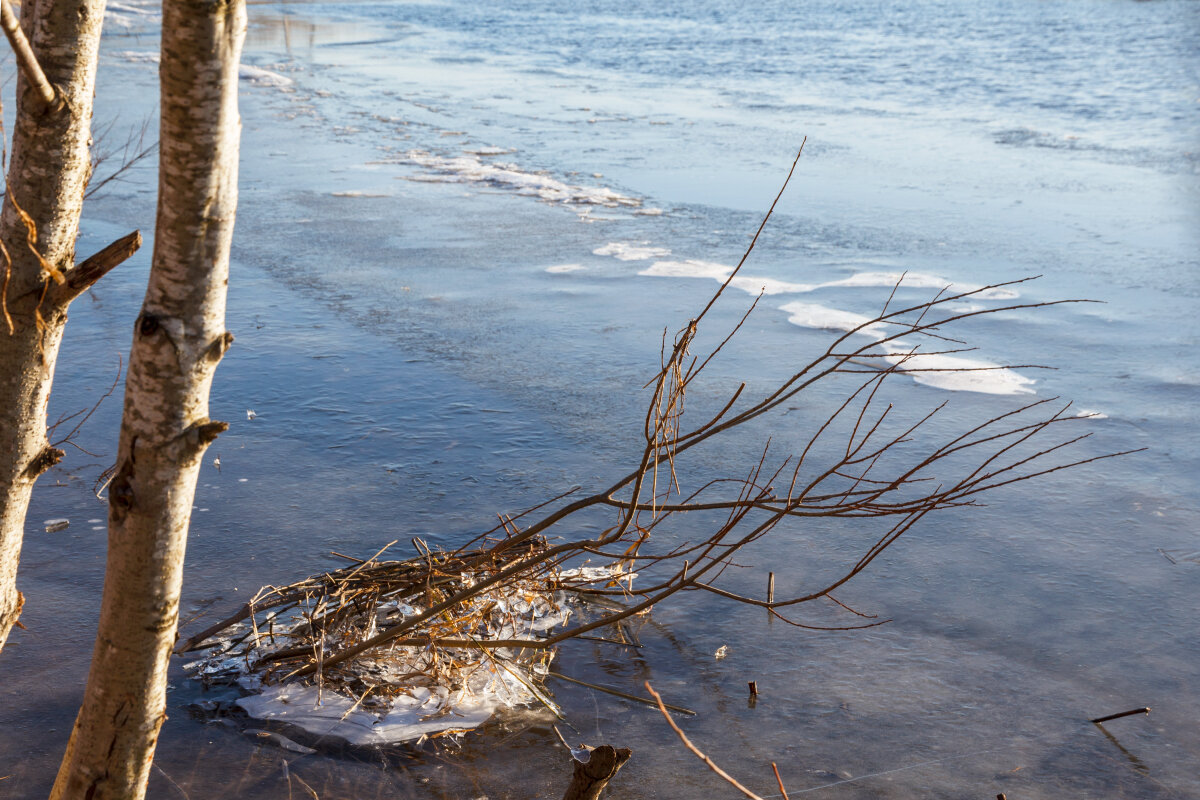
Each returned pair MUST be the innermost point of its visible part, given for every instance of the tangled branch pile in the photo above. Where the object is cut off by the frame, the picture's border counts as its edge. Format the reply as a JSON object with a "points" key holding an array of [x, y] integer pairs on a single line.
{"points": [[451, 672]]}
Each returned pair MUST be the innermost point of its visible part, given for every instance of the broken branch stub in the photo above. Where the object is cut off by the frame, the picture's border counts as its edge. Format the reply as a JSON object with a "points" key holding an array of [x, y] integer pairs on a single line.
{"points": [[590, 777], [95, 267]]}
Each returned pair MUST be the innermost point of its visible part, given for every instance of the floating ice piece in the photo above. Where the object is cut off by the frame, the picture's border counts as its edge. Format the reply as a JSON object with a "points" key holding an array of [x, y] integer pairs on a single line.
{"points": [[562, 268], [919, 280], [279, 740], [250, 414], [510, 177], [56, 525], [957, 374], [1090, 414], [693, 268], [135, 56], [581, 576], [949, 372], [263, 77], [814, 315], [488, 689], [722, 651], [133, 13], [631, 251]]}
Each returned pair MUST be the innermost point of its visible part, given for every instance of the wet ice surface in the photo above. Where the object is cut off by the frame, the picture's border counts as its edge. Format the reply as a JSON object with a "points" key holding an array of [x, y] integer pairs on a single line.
{"points": [[419, 358]]}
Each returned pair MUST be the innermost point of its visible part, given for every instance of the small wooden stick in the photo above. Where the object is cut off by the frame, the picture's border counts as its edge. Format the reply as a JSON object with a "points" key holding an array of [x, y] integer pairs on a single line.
{"points": [[1098, 720], [688, 744], [621, 694], [754, 688], [782, 790], [770, 587]]}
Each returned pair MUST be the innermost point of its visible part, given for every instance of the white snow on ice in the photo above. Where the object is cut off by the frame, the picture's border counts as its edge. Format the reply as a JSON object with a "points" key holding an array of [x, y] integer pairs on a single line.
{"points": [[949, 372], [631, 251], [510, 177]]}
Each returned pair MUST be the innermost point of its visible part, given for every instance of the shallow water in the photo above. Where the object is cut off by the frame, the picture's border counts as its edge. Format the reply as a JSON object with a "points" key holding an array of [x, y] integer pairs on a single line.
{"points": [[426, 342]]}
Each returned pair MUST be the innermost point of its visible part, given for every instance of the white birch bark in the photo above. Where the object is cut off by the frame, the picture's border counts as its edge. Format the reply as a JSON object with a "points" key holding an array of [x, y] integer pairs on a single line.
{"points": [[48, 173], [178, 339]]}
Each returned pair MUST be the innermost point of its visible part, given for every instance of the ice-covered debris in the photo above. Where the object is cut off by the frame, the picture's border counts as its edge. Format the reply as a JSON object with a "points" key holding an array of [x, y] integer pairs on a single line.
{"points": [[440, 676], [422, 713], [56, 525], [722, 651], [613, 574], [510, 177]]}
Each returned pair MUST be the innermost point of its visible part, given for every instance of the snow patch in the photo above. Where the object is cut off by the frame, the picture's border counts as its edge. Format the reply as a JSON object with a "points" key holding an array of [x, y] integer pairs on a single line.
{"points": [[510, 177], [263, 77], [941, 371], [137, 56], [631, 251]]}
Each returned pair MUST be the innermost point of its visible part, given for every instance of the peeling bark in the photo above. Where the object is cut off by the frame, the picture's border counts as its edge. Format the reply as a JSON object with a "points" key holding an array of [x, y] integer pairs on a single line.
{"points": [[38, 224], [178, 339]]}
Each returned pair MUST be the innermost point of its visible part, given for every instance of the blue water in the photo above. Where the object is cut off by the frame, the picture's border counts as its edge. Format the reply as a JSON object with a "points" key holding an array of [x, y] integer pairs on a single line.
{"points": [[415, 368]]}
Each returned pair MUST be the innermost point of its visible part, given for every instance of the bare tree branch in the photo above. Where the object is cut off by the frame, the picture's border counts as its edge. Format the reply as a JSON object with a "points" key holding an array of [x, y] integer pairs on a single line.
{"points": [[26, 60]]}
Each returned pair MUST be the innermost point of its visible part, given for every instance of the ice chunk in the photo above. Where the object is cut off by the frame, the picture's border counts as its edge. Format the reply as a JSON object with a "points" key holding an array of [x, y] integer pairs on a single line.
{"points": [[631, 251]]}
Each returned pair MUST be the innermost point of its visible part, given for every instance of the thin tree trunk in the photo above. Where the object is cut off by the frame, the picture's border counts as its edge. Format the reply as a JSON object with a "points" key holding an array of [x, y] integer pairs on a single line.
{"points": [[178, 339], [49, 171]]}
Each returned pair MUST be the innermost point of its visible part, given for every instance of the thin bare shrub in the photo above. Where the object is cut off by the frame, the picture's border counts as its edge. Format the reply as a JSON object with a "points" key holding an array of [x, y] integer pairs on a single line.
{"points": [[856, 464]]}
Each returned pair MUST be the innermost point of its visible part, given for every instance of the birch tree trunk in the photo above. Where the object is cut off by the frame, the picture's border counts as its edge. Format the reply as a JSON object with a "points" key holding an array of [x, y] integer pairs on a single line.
{"points": [[178, 339], [49, 170]]}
